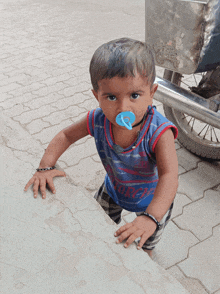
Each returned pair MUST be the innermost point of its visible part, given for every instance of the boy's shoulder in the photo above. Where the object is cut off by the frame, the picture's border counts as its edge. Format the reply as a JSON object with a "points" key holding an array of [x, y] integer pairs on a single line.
{"points": [[157, 116], [158, 125], [95, 119], [158, 120]]}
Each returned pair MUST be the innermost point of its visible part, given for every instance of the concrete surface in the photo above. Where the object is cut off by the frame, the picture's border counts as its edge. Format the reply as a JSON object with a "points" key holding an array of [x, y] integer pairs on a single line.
{"points": [[63, 244]]}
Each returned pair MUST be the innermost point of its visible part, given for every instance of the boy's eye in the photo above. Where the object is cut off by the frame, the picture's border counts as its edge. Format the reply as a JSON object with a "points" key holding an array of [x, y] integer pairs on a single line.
{"points": [[134, 96], [111, 98]]}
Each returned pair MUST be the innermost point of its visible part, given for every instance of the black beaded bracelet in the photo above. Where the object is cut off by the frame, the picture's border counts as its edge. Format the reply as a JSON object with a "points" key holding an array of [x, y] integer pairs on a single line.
{"points": [[46, 168], [153, 218]]}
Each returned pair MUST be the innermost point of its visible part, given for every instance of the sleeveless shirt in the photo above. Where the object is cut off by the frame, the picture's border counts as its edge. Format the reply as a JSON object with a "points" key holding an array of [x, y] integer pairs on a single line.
{"points": [[132, 174]]}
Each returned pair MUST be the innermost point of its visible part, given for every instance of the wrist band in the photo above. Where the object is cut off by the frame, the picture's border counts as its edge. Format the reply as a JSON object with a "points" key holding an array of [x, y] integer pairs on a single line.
{"points": [[46, 168], [153, 218]]}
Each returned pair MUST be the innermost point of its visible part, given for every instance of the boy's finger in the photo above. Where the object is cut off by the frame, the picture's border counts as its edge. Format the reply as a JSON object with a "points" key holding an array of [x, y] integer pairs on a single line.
{"points": [[144, 238], [43, 188], [28, 184], [35, 188], [126, 234], [122, 229], [132, 238], [61, 173], [51, 185]]}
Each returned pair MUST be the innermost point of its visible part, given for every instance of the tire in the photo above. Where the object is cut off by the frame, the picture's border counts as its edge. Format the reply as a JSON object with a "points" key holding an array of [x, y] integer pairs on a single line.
{"points": [[196, 136]]}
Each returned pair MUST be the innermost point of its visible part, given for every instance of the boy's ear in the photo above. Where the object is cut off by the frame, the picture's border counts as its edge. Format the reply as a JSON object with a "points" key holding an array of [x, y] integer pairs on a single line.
{"points": [[95, 94], [153, 89]]}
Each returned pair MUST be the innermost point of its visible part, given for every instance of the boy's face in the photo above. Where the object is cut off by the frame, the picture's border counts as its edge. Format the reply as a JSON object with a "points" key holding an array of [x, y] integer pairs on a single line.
{"points": [[124, 94]]}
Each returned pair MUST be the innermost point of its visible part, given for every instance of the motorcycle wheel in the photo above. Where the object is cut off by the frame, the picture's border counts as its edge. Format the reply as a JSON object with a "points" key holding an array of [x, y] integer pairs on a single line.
{"points": [[196, 136]]}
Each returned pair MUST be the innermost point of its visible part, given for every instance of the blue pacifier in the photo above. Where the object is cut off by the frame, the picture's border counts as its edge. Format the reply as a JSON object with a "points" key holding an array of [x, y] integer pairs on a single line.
{"points": [[125, 119]]}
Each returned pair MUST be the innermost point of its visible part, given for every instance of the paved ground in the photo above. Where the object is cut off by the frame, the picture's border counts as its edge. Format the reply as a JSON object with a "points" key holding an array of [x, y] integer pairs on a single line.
{"points": [[45, 54], [65, 243]]}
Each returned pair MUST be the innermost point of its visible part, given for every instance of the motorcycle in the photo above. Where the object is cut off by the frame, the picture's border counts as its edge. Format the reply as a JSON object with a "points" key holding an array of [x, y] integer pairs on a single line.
{"points": [[184, 36]]}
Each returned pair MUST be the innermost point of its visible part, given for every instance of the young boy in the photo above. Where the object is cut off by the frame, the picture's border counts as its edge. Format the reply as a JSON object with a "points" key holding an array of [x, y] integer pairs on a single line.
{"points": [[141, 162]]}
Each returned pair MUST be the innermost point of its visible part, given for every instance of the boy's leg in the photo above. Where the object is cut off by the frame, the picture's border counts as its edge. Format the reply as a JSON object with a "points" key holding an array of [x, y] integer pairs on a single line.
{"points": [[150, 244], [110, 207]]}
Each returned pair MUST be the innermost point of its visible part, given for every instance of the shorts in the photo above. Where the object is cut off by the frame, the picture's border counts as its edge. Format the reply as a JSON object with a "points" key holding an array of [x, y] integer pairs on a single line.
{"points": [[114, 212]]}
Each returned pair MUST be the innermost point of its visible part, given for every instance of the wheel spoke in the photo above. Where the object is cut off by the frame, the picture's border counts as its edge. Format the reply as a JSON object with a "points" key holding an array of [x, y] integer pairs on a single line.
{"points": [[206, 131], [193, 124], [190, 120], [215, 135], [195, 80], [185, 115], [202, 130], [204, 139]]}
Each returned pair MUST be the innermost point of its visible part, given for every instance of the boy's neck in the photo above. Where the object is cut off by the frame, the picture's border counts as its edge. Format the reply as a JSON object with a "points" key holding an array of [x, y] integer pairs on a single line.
{"points": [[123, 137], [140, 122]]}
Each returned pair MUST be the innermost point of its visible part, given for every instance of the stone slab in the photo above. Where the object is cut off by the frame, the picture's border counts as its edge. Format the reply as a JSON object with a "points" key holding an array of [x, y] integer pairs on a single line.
{"points": [[196, 181], [201, 216], [205, 253], [173, 246], [192, 285], [65, 243]]}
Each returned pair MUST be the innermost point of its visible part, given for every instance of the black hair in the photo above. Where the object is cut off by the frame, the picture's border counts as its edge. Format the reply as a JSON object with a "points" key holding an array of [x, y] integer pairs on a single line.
{"points": [[122, 57]]}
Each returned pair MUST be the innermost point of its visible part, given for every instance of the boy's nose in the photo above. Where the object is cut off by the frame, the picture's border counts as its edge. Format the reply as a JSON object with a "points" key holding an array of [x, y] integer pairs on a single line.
{"points": [[124, 105]]}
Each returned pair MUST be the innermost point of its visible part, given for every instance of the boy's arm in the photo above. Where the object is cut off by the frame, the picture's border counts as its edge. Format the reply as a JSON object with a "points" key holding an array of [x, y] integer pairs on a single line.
{"points": [[164, 195], [62, 141], [167, 165], [55, 149]]}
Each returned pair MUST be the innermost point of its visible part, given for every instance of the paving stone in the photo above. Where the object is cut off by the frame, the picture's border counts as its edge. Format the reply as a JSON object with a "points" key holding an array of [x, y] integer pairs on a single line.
{"points": [[43, 91], [180, 201], [80, 87], [16, 110], [77, 79], [89, 104], [203, 262], [10, 87], [36, 126], [17, 138], [58, 116], [47, 99], [83, 141], [27, 116], [177, 145], [173, 246], [3, 77], [32, 159], [46, 135], [9, 103], [87, 173], [78, 152], [196, 181], [27, 89], [4, 97], [17, 79], [54, 80], [201, 216], [79, 117], [187, 160], [76, 99], [181, 170], [192, 285]]}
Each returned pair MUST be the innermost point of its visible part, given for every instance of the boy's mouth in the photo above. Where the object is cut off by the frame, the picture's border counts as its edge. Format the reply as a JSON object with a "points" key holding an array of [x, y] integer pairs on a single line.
{"points": [[125, 119]]}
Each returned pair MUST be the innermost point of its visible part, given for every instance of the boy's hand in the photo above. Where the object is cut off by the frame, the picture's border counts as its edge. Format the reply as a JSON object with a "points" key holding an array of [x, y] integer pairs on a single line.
{"points": [[142, 227], [41, 179]]}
